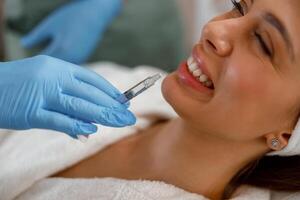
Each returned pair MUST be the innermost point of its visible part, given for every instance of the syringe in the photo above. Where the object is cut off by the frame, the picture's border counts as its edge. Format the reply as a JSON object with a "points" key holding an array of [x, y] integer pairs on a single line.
{"points": [[131, 93], [139, 88]]}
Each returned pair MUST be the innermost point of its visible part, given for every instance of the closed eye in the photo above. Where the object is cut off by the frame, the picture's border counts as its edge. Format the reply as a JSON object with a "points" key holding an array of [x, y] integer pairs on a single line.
{"points": [[239, 7], [263, 45]]}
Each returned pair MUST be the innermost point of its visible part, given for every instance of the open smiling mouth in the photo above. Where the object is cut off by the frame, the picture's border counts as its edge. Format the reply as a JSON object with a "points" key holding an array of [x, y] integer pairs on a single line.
{"points": [[195, 70], [195, 74]]}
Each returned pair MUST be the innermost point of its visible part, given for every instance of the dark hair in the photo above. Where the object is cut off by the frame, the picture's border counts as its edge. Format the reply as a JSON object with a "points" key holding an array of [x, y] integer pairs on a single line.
{"points": [[272, 172]]}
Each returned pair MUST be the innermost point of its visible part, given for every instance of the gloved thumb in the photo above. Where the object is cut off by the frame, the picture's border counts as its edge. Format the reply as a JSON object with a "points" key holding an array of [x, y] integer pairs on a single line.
{"points": [[36, 36], [52, 49]]}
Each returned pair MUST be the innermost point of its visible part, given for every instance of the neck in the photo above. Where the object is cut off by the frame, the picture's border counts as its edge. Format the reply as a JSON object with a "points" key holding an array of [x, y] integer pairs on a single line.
{"points": [[197, 163]]}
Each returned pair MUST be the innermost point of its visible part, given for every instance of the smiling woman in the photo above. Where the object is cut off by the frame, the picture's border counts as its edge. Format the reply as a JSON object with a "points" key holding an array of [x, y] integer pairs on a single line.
{"points": [[237, 99], [250, 55]]}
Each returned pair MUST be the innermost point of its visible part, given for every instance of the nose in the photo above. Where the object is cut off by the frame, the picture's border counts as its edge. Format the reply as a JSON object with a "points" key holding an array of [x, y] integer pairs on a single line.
{"points": [[216, 37]]}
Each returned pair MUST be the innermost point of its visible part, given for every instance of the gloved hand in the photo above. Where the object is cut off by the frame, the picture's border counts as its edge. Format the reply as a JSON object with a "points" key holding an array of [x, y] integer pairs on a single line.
{"points": [[48, 93], [74, 29]]}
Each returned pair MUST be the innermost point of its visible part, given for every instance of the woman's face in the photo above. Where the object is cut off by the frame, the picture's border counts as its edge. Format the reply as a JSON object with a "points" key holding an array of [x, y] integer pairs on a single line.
{"points": [[251, 55]]}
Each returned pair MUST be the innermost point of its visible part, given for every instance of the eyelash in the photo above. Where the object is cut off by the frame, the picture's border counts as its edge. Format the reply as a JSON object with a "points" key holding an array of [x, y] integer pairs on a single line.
{"points": [[238, 6]]}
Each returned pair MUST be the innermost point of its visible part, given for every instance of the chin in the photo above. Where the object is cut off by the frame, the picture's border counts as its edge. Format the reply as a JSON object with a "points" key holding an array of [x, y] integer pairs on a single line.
{"points": [[172, 93], [167, 87], [188, 108]]}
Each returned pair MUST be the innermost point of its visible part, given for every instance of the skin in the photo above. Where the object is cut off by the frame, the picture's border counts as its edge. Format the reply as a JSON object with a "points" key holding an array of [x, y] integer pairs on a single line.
{"points": [[256, 98]]}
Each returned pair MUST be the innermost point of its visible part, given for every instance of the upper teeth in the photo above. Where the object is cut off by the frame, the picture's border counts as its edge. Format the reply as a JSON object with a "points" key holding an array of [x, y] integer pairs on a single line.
{"points": [[197, 72]]}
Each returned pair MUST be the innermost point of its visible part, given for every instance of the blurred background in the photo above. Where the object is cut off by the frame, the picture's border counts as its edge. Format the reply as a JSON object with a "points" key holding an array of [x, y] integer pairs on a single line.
{"points": [[159, 33]]}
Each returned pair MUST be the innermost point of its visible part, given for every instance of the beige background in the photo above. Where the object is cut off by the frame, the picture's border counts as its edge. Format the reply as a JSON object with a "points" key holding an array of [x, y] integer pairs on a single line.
{"points": [[196, 13]]}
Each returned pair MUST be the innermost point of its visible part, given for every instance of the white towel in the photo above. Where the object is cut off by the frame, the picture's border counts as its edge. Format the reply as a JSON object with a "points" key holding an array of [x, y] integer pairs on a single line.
{"points": [[117, 189], [105, 189], [28, 158]]}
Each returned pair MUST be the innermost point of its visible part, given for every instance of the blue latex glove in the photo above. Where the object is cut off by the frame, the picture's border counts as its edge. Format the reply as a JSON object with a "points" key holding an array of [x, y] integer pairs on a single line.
{"points": [[48, 93], [74, 29]]}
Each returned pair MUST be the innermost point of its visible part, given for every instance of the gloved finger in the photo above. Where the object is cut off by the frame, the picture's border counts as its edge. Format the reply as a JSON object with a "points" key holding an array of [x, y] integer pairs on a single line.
{"points": [[82, 90], [92, 113], [97, 81], [38, 35], [62, 123]]}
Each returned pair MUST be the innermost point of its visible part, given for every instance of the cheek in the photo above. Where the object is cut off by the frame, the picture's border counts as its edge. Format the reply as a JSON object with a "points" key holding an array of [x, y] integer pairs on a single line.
{"points": [[251, 94], [246, 81]]}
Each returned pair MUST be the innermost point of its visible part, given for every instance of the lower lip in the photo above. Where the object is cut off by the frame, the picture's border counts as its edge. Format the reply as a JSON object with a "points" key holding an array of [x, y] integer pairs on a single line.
{"points": [[188, 79]]}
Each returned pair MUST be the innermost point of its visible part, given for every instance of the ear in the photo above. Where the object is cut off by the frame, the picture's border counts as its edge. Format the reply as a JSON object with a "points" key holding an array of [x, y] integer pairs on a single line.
{"points": [[281, 139]]}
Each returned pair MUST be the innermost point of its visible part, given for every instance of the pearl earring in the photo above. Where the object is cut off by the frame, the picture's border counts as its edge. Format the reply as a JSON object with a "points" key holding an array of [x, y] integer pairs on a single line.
{"points": [[275, 143]]}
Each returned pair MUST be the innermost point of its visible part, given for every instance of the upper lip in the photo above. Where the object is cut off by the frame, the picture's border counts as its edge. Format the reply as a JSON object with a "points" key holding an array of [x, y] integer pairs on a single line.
{"points": [[198, 57]]}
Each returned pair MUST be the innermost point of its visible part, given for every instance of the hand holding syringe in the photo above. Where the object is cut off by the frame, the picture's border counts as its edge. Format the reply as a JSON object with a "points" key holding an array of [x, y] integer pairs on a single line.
{"points": [[133, 92]]}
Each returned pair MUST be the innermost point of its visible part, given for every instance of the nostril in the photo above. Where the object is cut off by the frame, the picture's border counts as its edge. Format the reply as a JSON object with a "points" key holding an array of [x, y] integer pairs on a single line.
{"points": [[211, 44]]}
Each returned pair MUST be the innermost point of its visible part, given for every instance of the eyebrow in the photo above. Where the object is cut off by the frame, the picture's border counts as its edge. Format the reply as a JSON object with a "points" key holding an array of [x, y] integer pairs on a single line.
{"points": [[278, 25]]}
